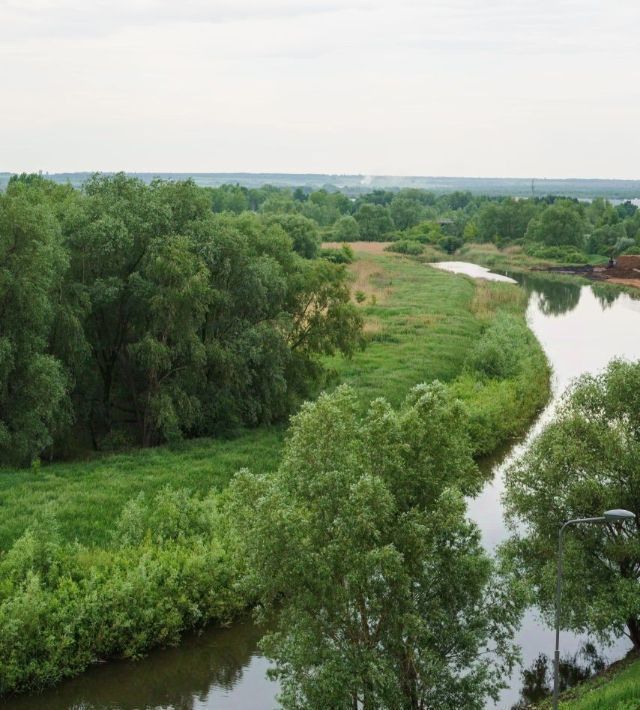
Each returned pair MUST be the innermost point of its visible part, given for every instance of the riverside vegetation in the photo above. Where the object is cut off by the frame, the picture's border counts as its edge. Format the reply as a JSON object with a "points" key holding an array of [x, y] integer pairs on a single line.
{"points": [[200, 324]]}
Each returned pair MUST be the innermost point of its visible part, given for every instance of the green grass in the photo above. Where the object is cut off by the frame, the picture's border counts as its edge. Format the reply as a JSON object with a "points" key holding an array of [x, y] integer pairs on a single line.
{"points": [[419, 329], [618, 688], [87, 496]]}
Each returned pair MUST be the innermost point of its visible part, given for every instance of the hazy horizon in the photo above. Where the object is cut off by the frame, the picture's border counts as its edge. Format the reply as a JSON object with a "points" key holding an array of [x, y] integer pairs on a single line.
{"points": [[464, 88]]}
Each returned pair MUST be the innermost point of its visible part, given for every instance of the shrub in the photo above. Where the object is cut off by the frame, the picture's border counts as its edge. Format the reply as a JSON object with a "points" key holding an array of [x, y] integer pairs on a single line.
{"points": [[63, 607], [406, 246], [567, 254], [499, 352], [344, 255]]}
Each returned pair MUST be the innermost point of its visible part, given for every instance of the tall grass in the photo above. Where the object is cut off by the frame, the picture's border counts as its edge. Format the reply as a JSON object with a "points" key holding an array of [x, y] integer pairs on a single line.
{"points": [[618, 688]]}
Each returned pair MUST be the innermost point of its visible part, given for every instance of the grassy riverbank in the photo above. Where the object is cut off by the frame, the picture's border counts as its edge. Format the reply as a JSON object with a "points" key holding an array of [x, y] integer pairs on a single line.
{"points": [[617, 688], [122, 560]]}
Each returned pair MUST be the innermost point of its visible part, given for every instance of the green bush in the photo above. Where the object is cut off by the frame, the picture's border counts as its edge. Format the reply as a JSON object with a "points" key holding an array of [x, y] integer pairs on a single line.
{"points": [[406, 246], [64, 606], [344, 255], [499, 352], [504, 383], [566, 254]]}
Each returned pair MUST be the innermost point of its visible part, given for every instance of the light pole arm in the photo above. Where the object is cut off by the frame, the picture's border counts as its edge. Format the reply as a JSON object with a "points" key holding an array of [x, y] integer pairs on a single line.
{"points": [[556, 655]]}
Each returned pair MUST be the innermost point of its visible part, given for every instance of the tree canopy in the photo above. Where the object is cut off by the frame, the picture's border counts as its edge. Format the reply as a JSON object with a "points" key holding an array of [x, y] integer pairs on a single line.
{"points": [[384, 595], [143, 315], [586, 461]]}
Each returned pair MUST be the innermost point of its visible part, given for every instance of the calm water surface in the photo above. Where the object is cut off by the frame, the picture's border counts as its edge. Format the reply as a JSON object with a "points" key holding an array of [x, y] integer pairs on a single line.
{"points": [[581, 328]]}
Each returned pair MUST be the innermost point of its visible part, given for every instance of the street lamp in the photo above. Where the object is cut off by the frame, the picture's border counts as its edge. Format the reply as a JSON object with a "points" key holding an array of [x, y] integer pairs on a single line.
{"points": [[610, 516]]}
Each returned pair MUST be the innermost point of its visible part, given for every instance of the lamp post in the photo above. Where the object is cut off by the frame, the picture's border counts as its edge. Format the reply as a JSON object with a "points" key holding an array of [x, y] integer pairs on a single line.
{"points": [[610, 516]]}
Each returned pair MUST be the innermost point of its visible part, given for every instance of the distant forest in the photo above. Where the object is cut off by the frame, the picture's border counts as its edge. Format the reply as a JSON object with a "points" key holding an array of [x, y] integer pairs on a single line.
{"points": [[359, 184]]}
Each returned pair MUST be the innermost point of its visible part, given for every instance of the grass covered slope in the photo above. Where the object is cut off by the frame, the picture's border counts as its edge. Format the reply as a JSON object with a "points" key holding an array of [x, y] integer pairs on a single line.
{"points": [[617, 688], [425, 324], [420, 324], [87, 497]]}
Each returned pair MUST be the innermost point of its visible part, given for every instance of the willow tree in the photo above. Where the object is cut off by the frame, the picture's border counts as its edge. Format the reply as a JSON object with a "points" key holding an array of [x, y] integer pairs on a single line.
{"points": [[585, 462], [33, 383], [359, 543]]}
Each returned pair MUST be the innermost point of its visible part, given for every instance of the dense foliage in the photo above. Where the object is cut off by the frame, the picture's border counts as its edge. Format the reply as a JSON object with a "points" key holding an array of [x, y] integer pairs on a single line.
{"points": [[63, 606], [168, 310], [384, 595], [139, 315], [549, 227], [585, 462]]}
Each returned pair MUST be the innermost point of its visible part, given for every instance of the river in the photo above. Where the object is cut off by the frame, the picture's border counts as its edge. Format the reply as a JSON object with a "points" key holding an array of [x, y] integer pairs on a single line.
{"points": [[580, 328]]}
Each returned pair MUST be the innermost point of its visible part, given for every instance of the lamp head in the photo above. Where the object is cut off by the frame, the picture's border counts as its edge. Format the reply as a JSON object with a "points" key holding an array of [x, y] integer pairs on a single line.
{"points": [[618, 515]]}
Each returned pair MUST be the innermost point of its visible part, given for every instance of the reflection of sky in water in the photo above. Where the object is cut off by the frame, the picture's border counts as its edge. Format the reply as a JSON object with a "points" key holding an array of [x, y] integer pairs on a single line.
{"points": [[580, 333], [223, 670]]}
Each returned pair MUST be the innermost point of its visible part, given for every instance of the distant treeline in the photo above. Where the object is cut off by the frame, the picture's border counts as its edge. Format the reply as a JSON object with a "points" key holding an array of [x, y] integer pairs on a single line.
{"points": [[354, 185], [549, 226], [134, 314]]}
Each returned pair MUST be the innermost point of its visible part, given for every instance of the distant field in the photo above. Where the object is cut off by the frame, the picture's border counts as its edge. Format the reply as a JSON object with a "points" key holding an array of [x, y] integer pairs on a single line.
{"points": [[358, 184]]}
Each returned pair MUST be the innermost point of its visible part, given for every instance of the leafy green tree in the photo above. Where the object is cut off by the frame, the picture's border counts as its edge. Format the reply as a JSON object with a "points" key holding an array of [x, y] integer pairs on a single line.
{"points": [[164, 365], [426, 232], [359, 541], [33, 383], [196, 322], [405, 212], [626, 209], [504, 221], [601, 212], [303, 232], [583, 463], [346, 229], [374, 222], [559, 225], [326, 207], [230, 198], [603, 239]]}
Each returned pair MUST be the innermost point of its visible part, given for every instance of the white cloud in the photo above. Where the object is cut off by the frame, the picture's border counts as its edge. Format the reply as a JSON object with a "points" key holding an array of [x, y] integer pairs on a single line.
{"points": [[476, 87]]}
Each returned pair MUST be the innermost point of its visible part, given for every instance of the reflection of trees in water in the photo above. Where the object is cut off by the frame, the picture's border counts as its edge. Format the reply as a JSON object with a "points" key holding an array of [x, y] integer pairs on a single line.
{"points": [[554, 297], [606, 294], [174, 677], [537, 680]]}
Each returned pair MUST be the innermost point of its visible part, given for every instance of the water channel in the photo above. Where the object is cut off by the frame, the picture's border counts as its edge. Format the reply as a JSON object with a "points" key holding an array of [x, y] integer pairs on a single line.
{"points": [[580, 328]]}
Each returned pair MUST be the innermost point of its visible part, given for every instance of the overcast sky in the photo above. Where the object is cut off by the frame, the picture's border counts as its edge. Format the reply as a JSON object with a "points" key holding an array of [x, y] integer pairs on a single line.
{"points": [[401, 87]]}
